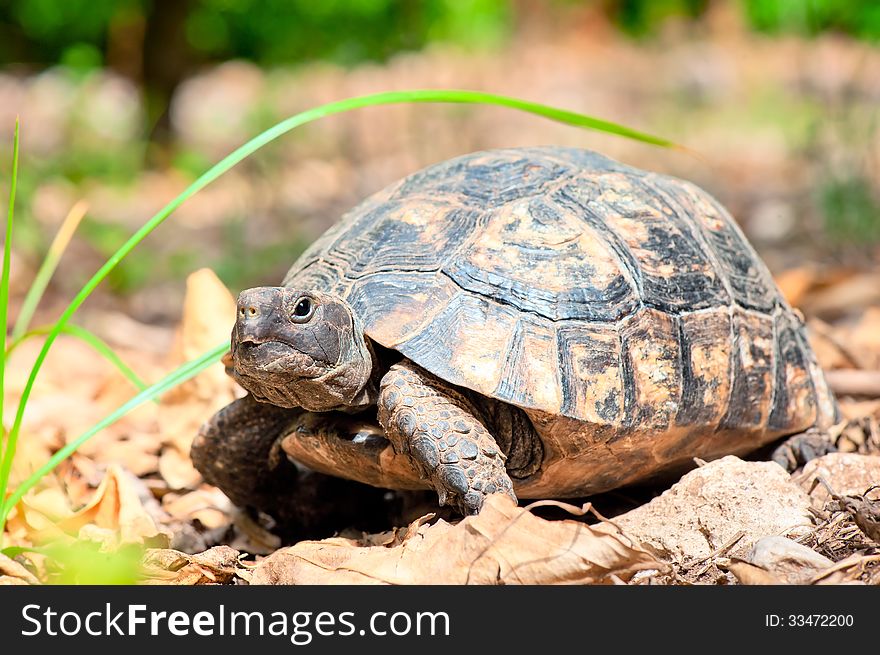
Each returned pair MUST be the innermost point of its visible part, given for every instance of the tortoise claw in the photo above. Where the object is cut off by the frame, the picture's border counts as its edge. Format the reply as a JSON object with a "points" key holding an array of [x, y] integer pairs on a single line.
{"points": [[799, 449]]}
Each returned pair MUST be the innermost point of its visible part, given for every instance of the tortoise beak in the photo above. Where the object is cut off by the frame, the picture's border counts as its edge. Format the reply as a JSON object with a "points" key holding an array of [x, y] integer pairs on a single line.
{"points": [[260, 316]]}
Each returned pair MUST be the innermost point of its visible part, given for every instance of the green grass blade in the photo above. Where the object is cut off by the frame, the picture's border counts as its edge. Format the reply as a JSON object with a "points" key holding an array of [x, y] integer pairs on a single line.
{"points": [[91, 339], [176, 377], [4, 287], [387, 98], [47, 268]]}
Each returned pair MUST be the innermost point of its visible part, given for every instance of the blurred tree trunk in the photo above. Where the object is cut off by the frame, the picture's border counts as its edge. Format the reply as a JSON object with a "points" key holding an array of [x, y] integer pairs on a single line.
{"points": [[167, 60]]}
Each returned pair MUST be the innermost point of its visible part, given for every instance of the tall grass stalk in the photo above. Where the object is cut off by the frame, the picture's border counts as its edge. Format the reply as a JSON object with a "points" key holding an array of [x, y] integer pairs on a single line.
{"points": [[387, 98], [4, 292], [47, 268]]}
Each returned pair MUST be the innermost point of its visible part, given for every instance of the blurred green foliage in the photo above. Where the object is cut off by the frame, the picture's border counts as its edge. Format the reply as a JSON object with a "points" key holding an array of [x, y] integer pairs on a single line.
{"points": [[850, 210], [642, 17], [83, 562], [860, 18], [344, 31], [82, 32], [86, 33]]}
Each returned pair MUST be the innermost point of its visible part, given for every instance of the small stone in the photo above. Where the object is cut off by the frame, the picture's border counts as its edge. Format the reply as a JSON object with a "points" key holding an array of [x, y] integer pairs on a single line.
{"points": [[787, 560], [848, 474], [711, 504]]}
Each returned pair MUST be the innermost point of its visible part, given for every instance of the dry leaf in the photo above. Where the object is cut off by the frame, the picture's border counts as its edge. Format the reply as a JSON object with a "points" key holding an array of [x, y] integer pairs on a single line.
{"points": [[504, 544], [177, 470], [857, 290], [218, 565], [114, 516], [826, 343], [848, 570], [208, 505], [13, 573], [795, 283], [749, 574], [865, 339], [208, 315]]}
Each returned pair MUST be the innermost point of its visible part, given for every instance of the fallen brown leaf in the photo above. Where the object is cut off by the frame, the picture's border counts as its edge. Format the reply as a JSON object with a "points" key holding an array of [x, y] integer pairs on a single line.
{"points": [[218, 565], [749, 574], [177, 470], [855, 290], [795, 283], [865, 339], [13, 573], [504, 544], [208, 316], [114, 516], [207, 504]]}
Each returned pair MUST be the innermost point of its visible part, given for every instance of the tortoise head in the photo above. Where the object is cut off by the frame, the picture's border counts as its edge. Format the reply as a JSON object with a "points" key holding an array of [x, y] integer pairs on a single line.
{"points": [[301, 348]]}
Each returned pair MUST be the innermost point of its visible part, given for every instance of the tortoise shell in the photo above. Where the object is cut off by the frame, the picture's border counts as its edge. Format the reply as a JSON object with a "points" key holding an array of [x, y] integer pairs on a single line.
{"points": [[623, 310]]}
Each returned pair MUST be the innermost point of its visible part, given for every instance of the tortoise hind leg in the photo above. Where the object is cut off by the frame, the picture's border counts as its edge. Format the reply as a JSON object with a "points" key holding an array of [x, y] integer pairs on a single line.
{"points": [[239, 451], [440, 429]]}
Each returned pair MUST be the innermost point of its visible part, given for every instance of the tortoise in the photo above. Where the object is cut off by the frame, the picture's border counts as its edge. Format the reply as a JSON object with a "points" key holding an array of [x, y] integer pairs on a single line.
{"points": [[536, 322]]}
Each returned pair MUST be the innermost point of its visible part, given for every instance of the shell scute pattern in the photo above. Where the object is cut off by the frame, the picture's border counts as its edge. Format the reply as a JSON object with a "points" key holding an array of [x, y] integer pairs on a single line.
{"points": [[573, 286]]}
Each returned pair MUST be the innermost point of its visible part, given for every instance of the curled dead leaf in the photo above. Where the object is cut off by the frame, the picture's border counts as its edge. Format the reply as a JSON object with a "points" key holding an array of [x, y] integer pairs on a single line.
{"points": [[208, 316], [114, 516], [13, 573], [749, 574], [504, 544], [218, 565]]}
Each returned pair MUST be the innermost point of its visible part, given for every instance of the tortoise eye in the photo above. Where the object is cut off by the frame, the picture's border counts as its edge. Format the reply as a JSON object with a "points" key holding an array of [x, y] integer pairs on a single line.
{"points": [[303, 310]]}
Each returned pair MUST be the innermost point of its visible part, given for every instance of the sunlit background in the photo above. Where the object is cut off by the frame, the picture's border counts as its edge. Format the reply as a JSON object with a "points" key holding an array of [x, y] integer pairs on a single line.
{"points": [[123, 103]]}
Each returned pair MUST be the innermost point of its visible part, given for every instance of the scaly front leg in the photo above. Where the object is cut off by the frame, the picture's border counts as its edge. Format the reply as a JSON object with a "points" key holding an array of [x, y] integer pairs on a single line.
{"points": [[441, 430]]}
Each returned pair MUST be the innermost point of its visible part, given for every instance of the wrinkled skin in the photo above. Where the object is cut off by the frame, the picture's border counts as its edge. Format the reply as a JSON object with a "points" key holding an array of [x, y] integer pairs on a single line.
{"points": [[296, 349]]}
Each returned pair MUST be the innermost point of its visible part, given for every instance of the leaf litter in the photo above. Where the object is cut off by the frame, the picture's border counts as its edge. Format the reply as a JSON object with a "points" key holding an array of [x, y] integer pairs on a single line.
{"points": [[133, 485]]}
